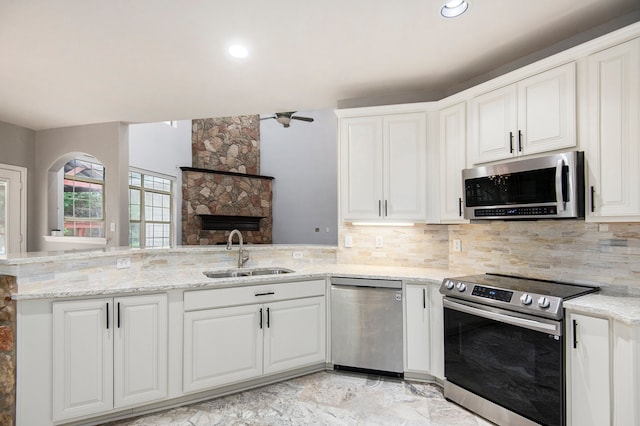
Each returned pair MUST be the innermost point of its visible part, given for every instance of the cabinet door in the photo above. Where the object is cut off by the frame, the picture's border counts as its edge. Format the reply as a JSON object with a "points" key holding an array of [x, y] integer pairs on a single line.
{"points": [[140, 349], [82, 358], [590, 366], [437, 332], [547, 111], [405, 158], [494, 121], [361, 168], [222, 346], [613, 156], [452, 143], [417, 328], [294, 334]]}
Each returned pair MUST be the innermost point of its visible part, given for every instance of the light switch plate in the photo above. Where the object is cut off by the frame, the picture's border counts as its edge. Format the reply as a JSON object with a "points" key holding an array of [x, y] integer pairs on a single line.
{"points": [[123, 262], [348, 241], [457, 245], [298, 255], [379, 241]]}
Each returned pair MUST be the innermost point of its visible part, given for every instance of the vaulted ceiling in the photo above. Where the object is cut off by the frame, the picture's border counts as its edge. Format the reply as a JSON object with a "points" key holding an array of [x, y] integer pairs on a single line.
{"points": [[72, 62]]}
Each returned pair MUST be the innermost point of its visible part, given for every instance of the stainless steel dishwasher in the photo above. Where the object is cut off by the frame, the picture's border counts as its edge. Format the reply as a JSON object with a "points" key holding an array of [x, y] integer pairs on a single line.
{"points": [[366, 325]]}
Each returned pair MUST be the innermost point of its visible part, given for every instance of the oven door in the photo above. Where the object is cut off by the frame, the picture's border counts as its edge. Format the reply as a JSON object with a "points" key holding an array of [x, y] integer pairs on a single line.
{"points": [[513, 360]]}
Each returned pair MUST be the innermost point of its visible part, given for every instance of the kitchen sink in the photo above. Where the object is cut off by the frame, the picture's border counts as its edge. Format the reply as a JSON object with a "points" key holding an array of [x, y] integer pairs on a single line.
{"points": [[232, 273]]}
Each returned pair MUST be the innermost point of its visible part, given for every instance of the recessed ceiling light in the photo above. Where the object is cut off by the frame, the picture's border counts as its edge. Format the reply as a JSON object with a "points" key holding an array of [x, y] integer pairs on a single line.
{"points": [[454, 8], [238, 51]]}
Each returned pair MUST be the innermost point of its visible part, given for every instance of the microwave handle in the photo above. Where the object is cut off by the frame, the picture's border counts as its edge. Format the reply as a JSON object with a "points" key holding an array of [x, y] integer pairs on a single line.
{"points": [[559, 195]]}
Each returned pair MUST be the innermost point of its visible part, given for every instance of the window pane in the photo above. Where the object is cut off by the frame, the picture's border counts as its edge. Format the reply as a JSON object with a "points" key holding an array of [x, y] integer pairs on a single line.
{"points": [[158, 183], [135, 179], [134, 234], [134, 204], [83, 198]]}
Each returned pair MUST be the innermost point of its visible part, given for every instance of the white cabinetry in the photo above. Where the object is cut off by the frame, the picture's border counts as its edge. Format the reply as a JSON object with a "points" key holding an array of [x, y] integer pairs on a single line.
{"points": [[424, 334], [108, 353], [537, 114], [589, 400], [452, 137], [229, 341], [613, 153], [383, 167]]}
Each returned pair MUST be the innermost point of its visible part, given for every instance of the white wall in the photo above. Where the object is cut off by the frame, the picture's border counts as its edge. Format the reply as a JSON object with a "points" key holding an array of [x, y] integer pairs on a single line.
{"points": [[303, 159], [160, 148], [107, 142]]}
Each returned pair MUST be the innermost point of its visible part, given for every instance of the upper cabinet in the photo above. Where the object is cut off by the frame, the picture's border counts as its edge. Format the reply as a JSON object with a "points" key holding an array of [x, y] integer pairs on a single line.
{"points": [[534, 115], [451, 147], [383, 167], [613, 145]]}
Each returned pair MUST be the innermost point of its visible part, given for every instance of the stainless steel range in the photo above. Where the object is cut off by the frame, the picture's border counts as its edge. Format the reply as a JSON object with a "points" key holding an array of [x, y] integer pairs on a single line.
{"points": [[504, 346]]}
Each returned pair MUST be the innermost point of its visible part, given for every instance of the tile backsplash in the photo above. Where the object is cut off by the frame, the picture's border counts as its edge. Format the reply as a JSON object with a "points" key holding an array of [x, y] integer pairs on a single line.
{"points": [[566, 250]]}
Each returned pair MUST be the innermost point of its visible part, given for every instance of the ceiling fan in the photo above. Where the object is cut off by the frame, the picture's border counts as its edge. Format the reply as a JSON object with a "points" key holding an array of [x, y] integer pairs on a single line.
{"points": [[285, 118]]}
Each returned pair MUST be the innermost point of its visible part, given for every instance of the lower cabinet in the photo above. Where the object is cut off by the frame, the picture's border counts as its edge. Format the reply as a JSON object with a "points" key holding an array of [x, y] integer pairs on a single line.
{"points": [[230, 344], [424, 342], [589, 395], [108, 353]]}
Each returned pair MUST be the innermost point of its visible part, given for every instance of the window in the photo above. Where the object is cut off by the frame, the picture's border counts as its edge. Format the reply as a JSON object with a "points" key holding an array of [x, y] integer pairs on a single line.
{"points": [[150, 218], [83, 198]]}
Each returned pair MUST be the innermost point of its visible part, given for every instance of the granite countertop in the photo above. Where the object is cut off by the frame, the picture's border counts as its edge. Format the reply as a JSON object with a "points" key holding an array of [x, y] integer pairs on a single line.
{"points": [[624, 309], [164, 279]]}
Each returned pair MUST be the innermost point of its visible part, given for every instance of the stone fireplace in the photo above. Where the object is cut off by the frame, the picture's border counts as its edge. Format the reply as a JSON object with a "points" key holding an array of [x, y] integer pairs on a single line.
{"points": [[223, 189]]}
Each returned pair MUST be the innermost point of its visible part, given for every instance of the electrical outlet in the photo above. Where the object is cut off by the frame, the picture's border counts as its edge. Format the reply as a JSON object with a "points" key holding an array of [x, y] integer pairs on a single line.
{"points": [[123, 262], [379, 241], [457, 245], [348, 241], [298, 255]]}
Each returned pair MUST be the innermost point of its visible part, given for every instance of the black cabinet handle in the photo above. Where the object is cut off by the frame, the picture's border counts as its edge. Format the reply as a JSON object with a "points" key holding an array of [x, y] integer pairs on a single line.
{"points": [[260, 318], [268, 293], [575, 334], [424, 298], [107, 315], [593, 199], [385, 209], [460, 207], [511, 142], [519, 140], [118, 314], [268, 319], [379, 207]]}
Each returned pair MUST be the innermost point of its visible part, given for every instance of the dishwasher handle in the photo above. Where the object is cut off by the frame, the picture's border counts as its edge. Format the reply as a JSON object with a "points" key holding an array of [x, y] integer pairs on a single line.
{"points": [[366, 282]]}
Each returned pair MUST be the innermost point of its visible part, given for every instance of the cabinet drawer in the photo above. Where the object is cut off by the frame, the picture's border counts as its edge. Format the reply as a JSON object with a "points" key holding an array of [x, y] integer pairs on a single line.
{"points": [[220, 297]]}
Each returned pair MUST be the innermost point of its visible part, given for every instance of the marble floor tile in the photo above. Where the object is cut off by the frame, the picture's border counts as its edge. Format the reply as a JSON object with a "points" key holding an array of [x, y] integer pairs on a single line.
{"points": [[325, 398]]}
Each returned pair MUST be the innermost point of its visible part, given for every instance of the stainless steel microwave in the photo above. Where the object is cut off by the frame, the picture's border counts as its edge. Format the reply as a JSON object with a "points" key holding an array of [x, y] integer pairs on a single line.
{"points": [[550, 187]]}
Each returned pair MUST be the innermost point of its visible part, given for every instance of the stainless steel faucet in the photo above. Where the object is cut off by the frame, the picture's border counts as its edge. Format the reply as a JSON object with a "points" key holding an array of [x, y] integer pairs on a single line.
{"points": [[242, 259]]}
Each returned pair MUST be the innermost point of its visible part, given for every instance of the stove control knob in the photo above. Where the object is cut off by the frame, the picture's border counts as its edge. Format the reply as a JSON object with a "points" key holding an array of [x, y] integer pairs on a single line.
{"points": [[461, 287], [543, 302], [526, 299], [449, 284]]}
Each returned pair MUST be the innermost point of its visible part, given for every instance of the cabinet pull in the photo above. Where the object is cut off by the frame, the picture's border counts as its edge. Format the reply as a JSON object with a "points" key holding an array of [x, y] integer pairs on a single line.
{"points": [[268, 293], [118, 315], [460, 207], [260, 322], [379, 207], [593, 199], [511, 142], [520, 140], [107, 315], [268, 319], [575, 334], [385, 208], [424, 298]]}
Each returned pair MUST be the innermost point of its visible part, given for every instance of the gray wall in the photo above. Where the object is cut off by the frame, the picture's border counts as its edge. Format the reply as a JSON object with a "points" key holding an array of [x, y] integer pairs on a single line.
{"points": [[17, 148], [108, 143], [303, 159], [160, 148]]}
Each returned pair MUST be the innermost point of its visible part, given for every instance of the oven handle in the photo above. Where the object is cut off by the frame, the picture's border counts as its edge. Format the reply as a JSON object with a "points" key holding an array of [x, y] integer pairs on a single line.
{"points": [[489, 313]]}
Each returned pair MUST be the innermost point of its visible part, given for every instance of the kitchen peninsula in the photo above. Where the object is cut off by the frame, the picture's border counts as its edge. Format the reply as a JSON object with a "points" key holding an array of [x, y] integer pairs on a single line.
{"points": [[166, 290]]}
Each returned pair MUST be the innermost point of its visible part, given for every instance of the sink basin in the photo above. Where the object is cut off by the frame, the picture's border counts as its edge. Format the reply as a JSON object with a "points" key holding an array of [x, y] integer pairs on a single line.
{"points": [[232, 273]]}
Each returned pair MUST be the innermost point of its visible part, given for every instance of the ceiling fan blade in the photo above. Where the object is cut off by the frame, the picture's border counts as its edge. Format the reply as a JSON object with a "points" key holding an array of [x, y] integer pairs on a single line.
{"points": [[309, 119], [267, 118]]}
